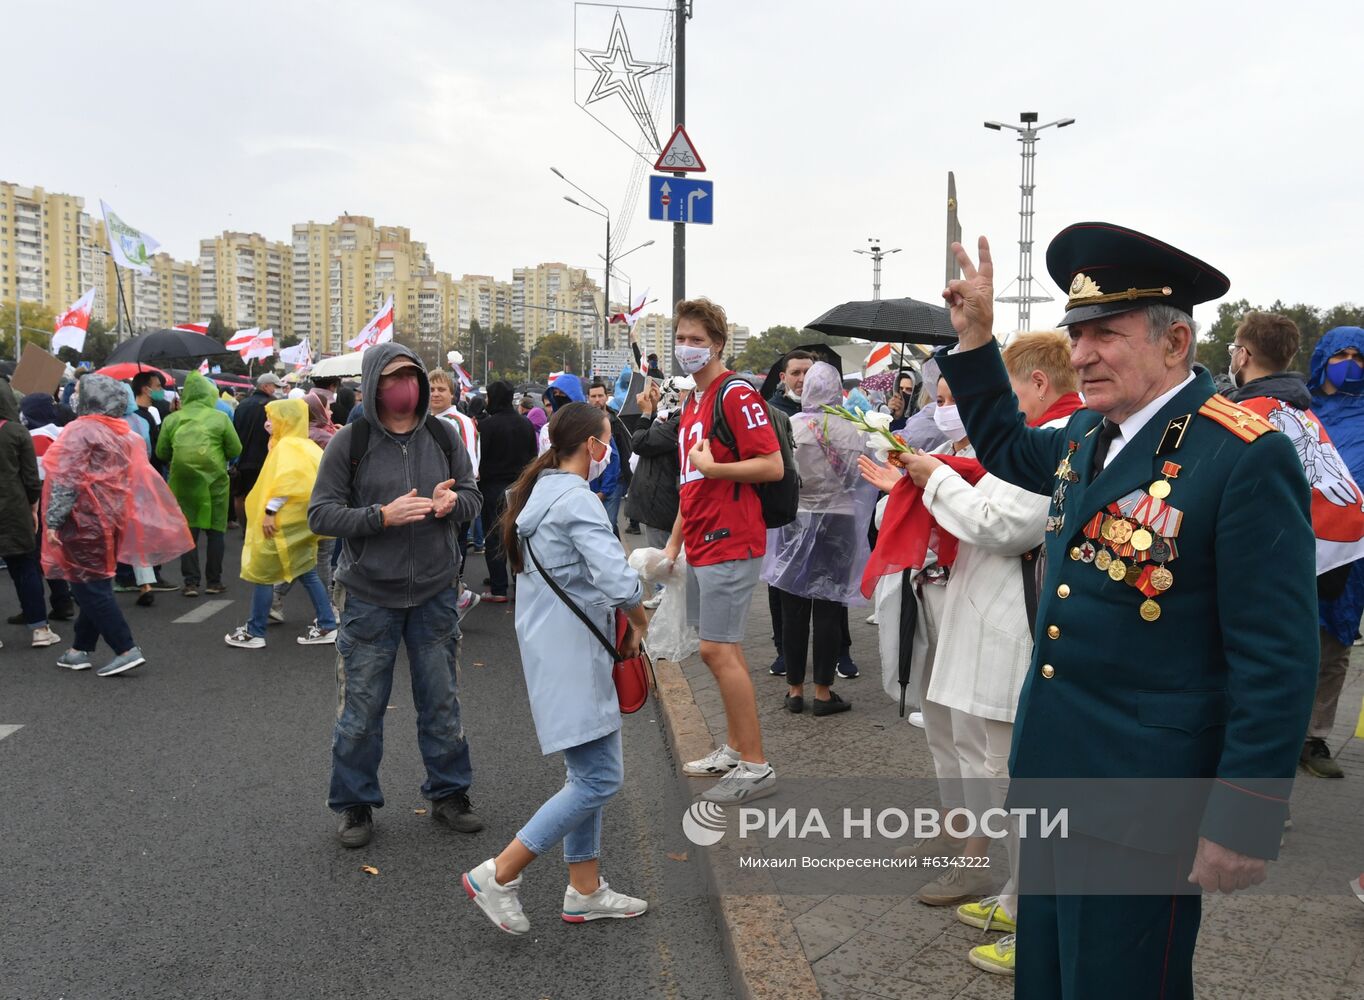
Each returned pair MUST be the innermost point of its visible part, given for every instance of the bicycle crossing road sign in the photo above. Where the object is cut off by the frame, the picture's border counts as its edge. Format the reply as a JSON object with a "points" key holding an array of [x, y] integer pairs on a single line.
{"points": [[679, 155], [681, 199]]}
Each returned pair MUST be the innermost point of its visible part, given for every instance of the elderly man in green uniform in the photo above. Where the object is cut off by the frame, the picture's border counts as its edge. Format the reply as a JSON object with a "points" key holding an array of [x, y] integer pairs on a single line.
{"points": [[1163, 649]]}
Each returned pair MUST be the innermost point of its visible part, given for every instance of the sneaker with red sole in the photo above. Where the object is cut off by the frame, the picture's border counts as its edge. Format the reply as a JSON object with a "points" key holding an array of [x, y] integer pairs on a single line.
{"points": [[499, 903], [494, 598]]}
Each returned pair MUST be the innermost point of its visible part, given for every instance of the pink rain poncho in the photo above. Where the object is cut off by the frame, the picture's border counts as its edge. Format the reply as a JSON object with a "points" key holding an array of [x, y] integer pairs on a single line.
{"points": [[102, 498]]}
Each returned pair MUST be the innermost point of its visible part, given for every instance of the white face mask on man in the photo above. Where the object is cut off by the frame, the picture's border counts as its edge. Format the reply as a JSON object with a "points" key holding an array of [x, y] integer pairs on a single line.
{"points": [[949, 422], [691, 359]]}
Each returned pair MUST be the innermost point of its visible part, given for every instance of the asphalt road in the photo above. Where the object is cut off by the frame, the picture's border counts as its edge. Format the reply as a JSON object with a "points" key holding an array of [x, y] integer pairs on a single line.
{"points": [[165, 833]]}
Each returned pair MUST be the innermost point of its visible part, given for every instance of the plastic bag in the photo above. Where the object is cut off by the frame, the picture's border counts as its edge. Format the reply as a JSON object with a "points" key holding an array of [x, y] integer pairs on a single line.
{"points": [[670, 637]]}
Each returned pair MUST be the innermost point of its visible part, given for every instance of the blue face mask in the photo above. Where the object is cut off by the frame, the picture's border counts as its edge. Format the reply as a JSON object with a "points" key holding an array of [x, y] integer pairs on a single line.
{"points": [[1345, 374]]}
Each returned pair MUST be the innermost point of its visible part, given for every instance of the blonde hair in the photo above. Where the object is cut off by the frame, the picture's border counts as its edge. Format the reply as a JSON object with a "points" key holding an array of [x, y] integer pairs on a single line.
{"points": [[440, 375], [1047, 351]]}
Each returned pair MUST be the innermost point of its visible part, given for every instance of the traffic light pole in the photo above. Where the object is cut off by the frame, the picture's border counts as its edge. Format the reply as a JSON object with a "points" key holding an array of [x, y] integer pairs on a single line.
{"points": [[679, 117]]}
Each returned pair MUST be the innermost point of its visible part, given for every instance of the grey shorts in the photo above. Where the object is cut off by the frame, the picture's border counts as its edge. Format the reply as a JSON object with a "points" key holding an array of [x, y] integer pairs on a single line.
{"points": [[718, 597]]}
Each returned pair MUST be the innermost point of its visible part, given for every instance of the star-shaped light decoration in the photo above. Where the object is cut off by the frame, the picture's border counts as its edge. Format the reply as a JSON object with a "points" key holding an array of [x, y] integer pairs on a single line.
{"points": [[619, 73]]}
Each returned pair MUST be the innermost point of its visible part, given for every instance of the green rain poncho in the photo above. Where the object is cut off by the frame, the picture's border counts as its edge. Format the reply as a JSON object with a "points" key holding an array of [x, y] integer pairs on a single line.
{"points": [[198, 441]]}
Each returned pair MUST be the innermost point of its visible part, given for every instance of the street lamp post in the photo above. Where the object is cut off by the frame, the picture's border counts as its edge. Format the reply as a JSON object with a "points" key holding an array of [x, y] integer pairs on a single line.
{"points": [[1027, 135], [877, 255], [605, 213]]}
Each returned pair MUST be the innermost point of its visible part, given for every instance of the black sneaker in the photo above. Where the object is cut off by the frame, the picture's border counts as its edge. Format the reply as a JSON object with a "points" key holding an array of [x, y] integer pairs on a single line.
{"points": [[146, 600], [795, 704], [778, 668], [1316, 759], [63, 612], [357, 826], [456, 813], [164, 586], [846, 668], [19, 619], [833, 706]]}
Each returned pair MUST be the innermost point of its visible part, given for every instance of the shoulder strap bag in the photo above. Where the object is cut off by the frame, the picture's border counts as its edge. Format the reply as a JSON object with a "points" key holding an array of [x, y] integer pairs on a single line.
{"points": [[634, 675]]}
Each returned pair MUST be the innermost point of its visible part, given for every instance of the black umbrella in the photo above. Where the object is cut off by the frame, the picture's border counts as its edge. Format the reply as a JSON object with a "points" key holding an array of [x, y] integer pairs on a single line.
{"points": [[889, 321], [822, 352], [909, 624], [158, 345]]}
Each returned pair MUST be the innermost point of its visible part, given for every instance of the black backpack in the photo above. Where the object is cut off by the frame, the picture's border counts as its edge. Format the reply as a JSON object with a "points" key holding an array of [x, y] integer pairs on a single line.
{"points": [[359, 443], [780, 499]]}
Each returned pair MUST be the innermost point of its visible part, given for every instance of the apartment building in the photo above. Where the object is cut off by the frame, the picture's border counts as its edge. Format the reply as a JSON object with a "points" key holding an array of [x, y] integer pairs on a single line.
{"points": [[245, 279]]}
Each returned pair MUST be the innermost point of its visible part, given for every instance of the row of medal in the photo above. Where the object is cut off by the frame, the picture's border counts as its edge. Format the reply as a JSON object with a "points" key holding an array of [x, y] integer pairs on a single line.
{"points": [[1121, 542]]}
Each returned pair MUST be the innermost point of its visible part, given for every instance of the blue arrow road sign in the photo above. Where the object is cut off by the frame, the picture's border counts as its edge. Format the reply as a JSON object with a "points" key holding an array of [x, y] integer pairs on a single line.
{"points": [[681, 199]]}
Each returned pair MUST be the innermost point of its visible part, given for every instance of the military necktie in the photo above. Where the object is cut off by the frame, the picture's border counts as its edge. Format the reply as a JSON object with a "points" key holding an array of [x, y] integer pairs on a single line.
{"points": [[1108, 430]]}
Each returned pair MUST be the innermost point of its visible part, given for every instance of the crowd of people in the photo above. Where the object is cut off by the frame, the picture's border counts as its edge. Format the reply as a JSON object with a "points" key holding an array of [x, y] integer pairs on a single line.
{"points": [[1014, 522]]}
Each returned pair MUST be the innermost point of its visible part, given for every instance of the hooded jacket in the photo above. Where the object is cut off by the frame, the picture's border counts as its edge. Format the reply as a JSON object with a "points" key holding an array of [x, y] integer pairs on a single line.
{"points": [[653, 491], [506, 439], [198, 441], [568, 670], [1287, 386], [248, 420], [406, 565], [19, 483]]}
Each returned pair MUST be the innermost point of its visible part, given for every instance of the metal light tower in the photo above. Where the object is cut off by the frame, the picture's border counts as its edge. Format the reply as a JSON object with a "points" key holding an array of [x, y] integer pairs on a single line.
{"points": [[877, 255], [1027, 135]]}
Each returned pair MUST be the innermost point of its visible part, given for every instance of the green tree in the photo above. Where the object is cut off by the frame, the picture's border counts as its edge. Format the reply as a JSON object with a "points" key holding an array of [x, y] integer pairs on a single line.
{"points": [[36, 323], [556, 352], [1312, 322], [761, 351], [506, 359]]}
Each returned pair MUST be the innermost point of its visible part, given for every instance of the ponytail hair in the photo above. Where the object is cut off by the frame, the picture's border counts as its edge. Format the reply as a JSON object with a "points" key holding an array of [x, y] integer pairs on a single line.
{"points": [[571, 425]]}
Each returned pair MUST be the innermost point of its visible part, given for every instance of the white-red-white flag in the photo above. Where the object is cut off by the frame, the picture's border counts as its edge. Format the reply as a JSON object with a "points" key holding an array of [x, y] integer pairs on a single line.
{"points": [[636, 310], [69, 329], [203, 367], [465, 382], [262, 346], [379, 330], [300, 355], [879, 360], [241, 340], [192, 327]]}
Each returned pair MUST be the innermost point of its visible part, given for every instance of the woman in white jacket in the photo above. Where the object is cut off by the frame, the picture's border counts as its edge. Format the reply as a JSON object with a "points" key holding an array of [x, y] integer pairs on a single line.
{"points": [[552, 516]]}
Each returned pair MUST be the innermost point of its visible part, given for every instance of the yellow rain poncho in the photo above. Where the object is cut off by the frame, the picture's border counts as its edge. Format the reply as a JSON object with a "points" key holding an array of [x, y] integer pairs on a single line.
{"points": [[198, 441], [289, 473]]}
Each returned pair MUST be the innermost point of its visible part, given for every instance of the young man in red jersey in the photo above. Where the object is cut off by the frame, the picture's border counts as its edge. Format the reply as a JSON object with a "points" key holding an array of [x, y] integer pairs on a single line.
{"points": [[721, 521]]}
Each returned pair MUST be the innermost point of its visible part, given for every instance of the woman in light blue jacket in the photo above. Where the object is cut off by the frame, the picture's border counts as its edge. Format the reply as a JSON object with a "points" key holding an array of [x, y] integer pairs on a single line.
{"points": [[553, 514]]}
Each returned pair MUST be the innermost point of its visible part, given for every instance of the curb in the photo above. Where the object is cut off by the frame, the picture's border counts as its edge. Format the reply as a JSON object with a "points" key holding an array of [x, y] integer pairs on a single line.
{"points": [[758, 934]]}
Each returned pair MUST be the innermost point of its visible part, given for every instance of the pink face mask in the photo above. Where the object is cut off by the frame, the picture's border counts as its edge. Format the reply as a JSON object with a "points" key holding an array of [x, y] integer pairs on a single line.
{"points": [[400, 398]]}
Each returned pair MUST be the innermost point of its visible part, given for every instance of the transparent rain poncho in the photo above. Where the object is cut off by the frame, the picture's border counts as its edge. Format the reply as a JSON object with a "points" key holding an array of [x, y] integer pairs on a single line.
{"points": [[821, 554], [198, 440], [101, 496], [289, 473]]}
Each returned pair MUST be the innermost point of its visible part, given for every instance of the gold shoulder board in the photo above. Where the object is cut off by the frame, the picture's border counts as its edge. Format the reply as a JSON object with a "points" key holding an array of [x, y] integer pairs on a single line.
{"points": [[1245, 424]]}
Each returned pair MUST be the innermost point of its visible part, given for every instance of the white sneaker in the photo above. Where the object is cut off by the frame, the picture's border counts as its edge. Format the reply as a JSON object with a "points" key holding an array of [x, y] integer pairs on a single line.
{"points": [[603, 903], [316, 636], [916, 719], [872, 619], [45, 637], [653, 602], [499, 903], [719, 761], [468, 600], [277, 612], [743, 784], [243, 639]]}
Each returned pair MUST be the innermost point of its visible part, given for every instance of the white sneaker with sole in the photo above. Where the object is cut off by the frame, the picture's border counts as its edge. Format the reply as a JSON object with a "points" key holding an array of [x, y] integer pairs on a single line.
{"points": [[317, 637], [277, 612], [743, 784], [45, 637], [603, 904], [499, 903], [721, 760], [916, 719], [468, 600], [652, 603], [243, 639]]}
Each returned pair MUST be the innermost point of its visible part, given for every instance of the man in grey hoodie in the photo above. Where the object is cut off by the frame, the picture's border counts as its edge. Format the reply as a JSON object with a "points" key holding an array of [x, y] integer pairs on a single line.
{"points": [[395, 496]]}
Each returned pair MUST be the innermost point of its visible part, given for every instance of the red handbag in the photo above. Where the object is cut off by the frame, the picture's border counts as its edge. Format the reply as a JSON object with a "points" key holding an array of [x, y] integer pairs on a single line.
{"points": [[633, 675]]}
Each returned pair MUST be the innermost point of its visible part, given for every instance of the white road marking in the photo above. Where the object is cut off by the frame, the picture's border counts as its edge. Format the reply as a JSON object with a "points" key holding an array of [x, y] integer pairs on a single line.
{"points": [[202, 613], [8, 730]]}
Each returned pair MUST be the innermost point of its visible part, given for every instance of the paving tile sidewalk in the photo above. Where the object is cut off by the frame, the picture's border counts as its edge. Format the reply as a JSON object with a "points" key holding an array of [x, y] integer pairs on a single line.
{"points": [[867, 947]]}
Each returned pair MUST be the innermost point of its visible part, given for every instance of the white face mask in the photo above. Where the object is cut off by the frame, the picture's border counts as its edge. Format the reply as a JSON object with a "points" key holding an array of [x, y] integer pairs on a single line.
{"points": [[691, 359], [949, 422], [597, 465]]}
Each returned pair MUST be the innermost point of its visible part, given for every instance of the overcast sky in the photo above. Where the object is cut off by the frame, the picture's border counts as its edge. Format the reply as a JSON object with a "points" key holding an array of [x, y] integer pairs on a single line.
{"points": [[1231, 130]]}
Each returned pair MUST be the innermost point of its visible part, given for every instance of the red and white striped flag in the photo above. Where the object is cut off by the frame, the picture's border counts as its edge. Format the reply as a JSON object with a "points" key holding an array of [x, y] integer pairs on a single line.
{"points": [[262, 346], [465, 382], [241, 340], [379, 330], [879, 360], [636, 309], [69, 329], [192, 327]]}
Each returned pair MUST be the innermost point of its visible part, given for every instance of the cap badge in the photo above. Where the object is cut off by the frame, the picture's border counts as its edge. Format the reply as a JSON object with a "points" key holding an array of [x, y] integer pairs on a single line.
{"points": [[1084, 287]]}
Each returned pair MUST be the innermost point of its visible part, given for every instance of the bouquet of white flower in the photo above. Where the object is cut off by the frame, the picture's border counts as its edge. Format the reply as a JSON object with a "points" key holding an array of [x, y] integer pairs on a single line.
{"points": [[875, 425]]}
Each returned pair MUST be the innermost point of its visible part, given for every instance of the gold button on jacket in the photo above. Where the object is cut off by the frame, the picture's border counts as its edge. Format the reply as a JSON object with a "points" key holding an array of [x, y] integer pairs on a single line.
{"points": [[1048, 671], [1063, 591], [1053, 632]]}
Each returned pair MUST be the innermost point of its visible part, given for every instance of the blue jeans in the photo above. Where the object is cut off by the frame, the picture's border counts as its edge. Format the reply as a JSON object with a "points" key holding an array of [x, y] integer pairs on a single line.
{"points": [[596, 771], [26, 571], [263, 594], [477, 531], [367, 646], [612, 505], [99, 616]]}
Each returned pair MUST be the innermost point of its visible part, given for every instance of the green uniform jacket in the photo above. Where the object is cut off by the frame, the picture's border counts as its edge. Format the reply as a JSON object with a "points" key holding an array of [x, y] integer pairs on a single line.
{"points": [[1221, 685], [197, 441]]}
